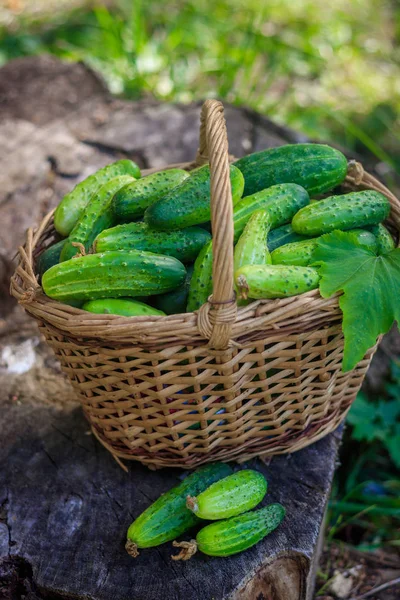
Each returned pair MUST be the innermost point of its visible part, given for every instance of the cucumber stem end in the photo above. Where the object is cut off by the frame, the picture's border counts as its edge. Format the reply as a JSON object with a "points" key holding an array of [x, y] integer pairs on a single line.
{"points": [[131, 549], [188, 549], [191, 503]]}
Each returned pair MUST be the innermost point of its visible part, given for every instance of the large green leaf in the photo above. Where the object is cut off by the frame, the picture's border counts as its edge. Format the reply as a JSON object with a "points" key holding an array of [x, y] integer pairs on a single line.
{"points": [[371, 290]]}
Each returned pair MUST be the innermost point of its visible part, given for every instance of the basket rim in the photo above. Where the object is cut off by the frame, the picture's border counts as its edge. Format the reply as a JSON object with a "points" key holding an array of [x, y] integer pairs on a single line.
{"points": [[272, 318]]}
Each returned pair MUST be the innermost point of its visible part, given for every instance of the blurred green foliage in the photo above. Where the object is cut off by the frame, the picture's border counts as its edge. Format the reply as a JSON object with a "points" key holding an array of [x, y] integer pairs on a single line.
{"points": [[331, 70]]}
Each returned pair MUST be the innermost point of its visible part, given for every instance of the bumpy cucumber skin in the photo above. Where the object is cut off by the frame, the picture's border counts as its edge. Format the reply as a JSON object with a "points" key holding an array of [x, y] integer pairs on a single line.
{"points": [[230, 496], [234, 535], [189, 203], [123, 307], [283, 235], [349, 211], [385, 242], [275, 281], [98, 215], [73, 204], [131, 201], [252, 248], [296, 253], [49, 257], [175, 302], [316, 167], [184, 244], [115, 274], [280, 201], [201, 283], [168, 516]]}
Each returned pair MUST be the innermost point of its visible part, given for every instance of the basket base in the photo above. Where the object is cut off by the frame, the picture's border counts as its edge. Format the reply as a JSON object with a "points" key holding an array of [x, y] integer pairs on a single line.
{"points": [[255, 448]]}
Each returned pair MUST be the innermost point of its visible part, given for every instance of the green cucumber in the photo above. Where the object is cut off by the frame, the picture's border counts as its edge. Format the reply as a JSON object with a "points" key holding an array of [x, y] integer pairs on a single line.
{"points": [[251, 248], [98, 215], [189, 203], [234, 535], [175, 302], [201, 283], [49, 257], [73, 204], [301, 253], [114, 274], [230, 496], [131, 201], [349, 211], [280, 201], [168, 516], [124, 307], [316, 167], [385, 241], [283, 235], [275, 281], [184, 244]]}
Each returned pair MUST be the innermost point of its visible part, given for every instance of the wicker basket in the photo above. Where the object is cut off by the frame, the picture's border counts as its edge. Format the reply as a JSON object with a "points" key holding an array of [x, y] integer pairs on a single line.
{"points": [[222, 383]]}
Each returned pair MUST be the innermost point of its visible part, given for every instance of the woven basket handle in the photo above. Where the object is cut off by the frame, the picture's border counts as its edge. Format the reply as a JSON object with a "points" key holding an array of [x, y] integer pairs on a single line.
{"points": [[217, 316]]}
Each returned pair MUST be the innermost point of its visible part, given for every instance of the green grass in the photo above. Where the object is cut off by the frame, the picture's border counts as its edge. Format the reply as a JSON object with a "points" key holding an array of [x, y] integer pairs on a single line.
{"points": [[321, 68]]}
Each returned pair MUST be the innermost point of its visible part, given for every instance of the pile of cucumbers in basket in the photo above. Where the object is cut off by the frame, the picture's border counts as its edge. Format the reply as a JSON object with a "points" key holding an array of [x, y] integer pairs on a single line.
{"points": [[135, 245]]}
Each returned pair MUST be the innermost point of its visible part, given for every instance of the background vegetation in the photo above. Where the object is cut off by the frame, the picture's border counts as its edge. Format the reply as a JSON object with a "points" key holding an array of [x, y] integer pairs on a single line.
{"points": [[330, 70]]}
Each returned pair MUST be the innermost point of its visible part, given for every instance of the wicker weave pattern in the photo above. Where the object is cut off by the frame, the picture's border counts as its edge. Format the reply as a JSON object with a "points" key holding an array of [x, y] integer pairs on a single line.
{"points": [[222, 383]]}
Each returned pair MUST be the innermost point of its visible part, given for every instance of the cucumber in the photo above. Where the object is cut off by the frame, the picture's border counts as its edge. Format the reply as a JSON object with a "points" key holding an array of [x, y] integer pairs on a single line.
{"points": [[349, 211], [73, 204], [131, 201], [201, 283], [251, 248], [184, 244], [230, 496], [385, 242], [275, 281], [231, 536], [49, 257], [283, 235], [168, 516], [98, 215], [114, 274], [280, 201], [125, 307], [189, 203], [175, 302], [316, 167], [301, 253]]}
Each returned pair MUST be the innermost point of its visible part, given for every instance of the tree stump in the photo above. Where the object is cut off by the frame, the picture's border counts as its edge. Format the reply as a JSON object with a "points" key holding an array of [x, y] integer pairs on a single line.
{"points": [[65, 503]]}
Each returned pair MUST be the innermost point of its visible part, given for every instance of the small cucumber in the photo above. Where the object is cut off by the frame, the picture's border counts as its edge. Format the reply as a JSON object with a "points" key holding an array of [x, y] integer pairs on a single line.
{"points": [[280, 201], [316, 167], [49, 257], [131, 201], [189, 203], [301, 253], [385, 242], [98, 215], [184, 244], [283, 235], [231, 536], [73, 204], [201, 283], [175, 302], [251, 248], [230, 496], [349, 211], [114, 274], [275, 281], [168, 516], [124, 307]]}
